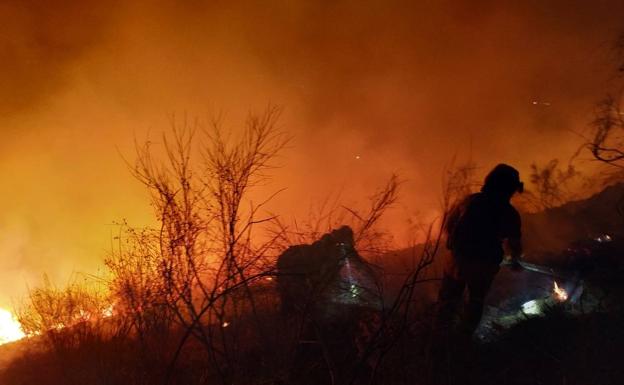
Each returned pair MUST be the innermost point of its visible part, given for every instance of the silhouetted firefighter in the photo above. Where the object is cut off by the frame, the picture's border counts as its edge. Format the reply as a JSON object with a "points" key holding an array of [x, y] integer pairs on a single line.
{"points": [[333, 290], [476, 229], [322, 278]]}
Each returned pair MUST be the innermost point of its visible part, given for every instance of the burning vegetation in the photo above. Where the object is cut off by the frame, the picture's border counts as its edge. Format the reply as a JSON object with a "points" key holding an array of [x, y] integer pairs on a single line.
{"points": [[559, 293], [10, 328]]}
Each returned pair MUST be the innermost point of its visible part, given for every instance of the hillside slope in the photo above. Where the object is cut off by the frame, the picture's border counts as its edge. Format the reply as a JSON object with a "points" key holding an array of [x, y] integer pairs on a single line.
{"points": [[552, 230]]}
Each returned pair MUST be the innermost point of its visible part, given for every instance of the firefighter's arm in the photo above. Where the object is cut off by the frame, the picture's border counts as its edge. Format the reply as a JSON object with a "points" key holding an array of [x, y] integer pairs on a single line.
{"points": [[515, 248], [514, 239]]}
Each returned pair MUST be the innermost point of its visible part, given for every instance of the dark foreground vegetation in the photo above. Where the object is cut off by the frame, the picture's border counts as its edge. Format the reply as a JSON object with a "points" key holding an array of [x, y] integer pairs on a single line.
{"points": [[556, 349]]}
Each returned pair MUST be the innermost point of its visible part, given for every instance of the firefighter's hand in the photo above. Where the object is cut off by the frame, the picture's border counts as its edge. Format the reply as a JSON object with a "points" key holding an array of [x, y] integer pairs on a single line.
{"points": [[515, 265]]}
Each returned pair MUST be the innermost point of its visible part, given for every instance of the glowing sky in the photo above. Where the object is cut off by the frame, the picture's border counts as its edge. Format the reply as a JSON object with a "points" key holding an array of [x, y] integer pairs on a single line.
{"points": [[368, 88]]}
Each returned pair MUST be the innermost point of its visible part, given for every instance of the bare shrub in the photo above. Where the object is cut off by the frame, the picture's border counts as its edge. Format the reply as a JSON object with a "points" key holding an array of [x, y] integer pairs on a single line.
{"points": [[204, 262], [370, 239], [65, 317], [139, 302], [408, 316], [552, 185], [606, 137], [606, 141], [606, 144], [196, 287]]}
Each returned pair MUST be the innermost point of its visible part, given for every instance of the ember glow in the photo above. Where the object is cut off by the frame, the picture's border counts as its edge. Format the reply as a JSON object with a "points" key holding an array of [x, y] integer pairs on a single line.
{"points": [[10, 328], [108, 312], [559, 293]]}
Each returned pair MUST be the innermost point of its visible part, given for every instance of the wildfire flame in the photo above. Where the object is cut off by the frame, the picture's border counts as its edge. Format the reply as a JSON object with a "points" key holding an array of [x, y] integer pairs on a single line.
{"points": [[559, 293], [10, 328], [108, 312]]}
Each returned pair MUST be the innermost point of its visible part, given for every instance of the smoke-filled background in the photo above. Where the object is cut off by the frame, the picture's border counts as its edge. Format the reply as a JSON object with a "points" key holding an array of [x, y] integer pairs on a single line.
{"points": [[368, 88]]}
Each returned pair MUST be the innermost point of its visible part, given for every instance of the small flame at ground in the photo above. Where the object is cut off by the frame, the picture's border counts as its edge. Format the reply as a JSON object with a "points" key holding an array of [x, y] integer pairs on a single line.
{"points": [[559, 293], [108, 312], [10, 328]]}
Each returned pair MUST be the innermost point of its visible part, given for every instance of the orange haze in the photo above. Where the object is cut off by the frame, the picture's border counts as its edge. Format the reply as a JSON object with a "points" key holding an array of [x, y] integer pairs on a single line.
{"points": [[404, 86]]}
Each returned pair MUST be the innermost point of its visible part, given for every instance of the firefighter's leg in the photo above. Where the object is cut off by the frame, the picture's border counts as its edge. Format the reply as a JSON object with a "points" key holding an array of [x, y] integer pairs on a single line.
{"points": [[449, 298], [479, 278], [450, 294]]}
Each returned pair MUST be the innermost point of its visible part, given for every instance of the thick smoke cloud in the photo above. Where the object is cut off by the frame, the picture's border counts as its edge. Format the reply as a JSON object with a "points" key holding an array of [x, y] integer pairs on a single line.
{"points": [[368, 88], [40, 42]]}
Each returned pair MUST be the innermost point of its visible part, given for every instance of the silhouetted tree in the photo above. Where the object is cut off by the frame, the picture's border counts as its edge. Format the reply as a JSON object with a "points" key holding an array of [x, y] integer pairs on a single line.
{"points": [[606, 141], [551, 185], [197, 268]]}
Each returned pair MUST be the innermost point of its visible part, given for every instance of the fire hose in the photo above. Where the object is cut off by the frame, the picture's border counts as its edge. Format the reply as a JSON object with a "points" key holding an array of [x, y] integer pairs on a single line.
{"points": [[549, 271]]}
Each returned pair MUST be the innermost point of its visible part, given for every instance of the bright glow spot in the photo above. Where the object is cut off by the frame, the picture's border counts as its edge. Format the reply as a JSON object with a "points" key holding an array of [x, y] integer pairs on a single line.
{"points": [[108, 312], [357, 157], [10, 328], [534, 103], [354, 291], [559, 293], [58, 327], [603, 238], [531, 307], [84, 315], [225, 324]]}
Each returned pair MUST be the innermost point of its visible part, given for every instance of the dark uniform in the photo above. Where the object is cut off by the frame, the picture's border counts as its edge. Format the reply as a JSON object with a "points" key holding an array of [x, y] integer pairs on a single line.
{"points": [[476, 229]]}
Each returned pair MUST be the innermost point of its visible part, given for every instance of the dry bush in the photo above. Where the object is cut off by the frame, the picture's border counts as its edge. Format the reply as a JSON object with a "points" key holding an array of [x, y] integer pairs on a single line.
{"points": [[606, 136], [370, 239], [407, 320], [192, 298], [551, 186], [139, 304], [459, 182], [204, 263], [606, 140], [606, 144], [66, 317]]}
